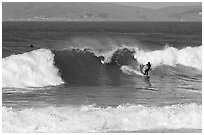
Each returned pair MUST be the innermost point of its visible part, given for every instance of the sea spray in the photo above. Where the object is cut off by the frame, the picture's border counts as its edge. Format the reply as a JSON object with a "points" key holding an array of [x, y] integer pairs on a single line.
{"points": [[31, 69], [189, 56]]}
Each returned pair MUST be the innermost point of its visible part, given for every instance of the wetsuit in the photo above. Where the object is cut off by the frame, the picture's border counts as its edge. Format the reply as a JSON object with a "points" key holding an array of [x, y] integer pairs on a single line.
{"points": [[146, 69]]}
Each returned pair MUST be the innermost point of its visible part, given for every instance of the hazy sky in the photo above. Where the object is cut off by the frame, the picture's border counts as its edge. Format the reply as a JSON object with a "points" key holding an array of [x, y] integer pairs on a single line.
{"points": [[156, 5]]}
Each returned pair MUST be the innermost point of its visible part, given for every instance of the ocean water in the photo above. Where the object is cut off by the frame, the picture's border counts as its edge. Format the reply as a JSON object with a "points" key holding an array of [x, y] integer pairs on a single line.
{"points": [[85, 77]]}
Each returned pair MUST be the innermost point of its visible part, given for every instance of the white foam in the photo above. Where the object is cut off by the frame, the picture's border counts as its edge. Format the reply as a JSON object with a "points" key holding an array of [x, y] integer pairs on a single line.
{"points": [[106, 54], [96, 119], [189, 56], [32, 69], [109, 54], [130, 71]]}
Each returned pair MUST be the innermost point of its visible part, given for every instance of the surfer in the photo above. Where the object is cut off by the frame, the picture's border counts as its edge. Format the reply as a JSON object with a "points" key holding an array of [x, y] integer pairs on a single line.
{"points": [[31, 46], [146, 68]]}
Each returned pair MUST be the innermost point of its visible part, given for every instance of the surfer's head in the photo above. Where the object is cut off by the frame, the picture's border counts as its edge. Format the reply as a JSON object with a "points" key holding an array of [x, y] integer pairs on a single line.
{"points": [[149, 64]]}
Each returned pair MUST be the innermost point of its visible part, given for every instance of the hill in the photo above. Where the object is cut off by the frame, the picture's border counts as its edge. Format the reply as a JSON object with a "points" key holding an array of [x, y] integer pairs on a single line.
{"points": [[50, 11]]}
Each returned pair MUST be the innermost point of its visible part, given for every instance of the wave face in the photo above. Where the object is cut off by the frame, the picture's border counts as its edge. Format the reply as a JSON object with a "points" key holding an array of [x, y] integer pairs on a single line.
{"points": [[32, 69], [83, 67], [96, 119], [44, 67]]}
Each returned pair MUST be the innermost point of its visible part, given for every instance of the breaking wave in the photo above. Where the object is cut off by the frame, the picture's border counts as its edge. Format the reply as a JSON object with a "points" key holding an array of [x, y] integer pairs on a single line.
{"points": [[97, 119], [32, 69], [189, 56], [42, 67]]}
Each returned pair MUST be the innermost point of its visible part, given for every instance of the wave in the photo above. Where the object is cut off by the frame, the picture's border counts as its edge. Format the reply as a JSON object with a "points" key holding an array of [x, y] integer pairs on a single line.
{"points": [[189, 56], [84, 66], [99, 119], [32, 69]]}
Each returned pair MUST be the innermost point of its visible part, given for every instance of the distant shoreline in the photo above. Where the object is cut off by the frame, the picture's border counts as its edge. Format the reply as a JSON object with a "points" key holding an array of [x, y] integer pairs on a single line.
{"points": [[73, 12], [97, 21]]}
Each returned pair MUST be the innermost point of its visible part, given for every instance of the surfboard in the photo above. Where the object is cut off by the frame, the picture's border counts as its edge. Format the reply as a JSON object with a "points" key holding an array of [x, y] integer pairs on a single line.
{"points": [[141, 70]]}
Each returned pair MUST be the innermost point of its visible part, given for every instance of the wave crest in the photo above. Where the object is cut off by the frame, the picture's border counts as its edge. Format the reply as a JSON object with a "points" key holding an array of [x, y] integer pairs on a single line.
{"points": [[189, 56], [85, 66], [31, 69]]}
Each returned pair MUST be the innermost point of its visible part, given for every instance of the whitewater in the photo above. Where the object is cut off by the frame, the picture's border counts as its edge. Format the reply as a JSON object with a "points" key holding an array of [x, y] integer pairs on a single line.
{"points": [[84, 77], [32, 69], [97, 119]]}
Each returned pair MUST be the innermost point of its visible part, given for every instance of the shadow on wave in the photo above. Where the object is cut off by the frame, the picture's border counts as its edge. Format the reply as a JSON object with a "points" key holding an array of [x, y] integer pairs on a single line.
{"points": [[83, 67]]}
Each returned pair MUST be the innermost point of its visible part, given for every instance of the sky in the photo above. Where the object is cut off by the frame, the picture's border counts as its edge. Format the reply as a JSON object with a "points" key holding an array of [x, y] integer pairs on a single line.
{"points": [[157, 5]]}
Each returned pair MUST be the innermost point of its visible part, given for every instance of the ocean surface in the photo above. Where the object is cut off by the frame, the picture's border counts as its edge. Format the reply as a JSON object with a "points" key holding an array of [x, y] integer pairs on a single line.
{"points": [[85, 77]]}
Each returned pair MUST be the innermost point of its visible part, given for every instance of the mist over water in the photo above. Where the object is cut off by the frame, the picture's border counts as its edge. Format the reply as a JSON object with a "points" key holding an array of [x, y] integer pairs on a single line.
{"points": [[85, 77]]}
